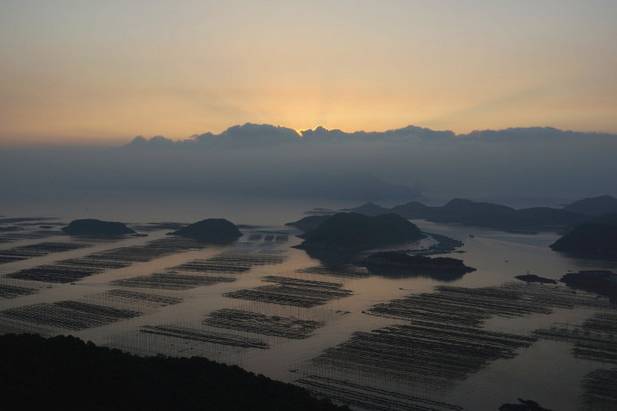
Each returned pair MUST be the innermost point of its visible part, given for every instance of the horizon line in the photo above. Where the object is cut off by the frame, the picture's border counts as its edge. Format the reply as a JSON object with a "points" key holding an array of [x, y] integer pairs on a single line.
{"points": [[113, 141]]}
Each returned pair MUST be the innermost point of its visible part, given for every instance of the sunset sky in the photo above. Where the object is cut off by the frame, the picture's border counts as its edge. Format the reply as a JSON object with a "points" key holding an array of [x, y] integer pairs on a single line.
{"points": [[104, 71]]}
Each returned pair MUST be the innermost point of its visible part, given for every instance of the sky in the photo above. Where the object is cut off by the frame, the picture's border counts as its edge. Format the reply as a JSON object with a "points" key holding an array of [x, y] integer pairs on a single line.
{"points": [[95, 72]]}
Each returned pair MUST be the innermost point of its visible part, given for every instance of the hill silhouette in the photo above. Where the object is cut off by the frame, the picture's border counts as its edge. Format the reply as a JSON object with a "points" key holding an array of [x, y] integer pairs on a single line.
{"points": [[600, 282], [211, 230], [69, 374], [489, 215], [96, 228], [594, 239], [356, 232], [594, 206]]}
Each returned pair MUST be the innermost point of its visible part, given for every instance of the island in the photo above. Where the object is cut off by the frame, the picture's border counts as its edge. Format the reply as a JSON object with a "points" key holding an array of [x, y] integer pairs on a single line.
{"points": [[211, 230], [400, 263], [91, 227], [601, 282], [596, 239], [353, 232], [67, 373]]}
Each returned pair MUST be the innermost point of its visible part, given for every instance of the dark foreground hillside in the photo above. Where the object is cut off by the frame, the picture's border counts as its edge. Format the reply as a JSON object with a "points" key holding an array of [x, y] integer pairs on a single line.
{"points": [[66, 373]]}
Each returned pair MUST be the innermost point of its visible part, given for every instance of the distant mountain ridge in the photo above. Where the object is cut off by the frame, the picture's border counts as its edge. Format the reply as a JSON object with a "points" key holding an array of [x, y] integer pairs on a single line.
{"points": [[496, 216], [251, 134], [594, 206], [265, 161]]}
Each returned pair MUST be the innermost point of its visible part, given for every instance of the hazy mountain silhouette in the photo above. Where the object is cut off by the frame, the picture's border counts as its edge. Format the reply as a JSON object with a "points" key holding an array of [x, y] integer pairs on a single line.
{"points": [[370, 209], [595, 206], [482, 214], [546, 165]]}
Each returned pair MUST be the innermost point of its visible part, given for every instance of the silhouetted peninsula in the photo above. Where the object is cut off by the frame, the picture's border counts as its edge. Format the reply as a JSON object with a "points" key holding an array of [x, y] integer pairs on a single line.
{"points": [[97, 228], [400, 263], [211, 230], [356, 232], [594, 206], [594, 239], [69, 374], [600, 282]]}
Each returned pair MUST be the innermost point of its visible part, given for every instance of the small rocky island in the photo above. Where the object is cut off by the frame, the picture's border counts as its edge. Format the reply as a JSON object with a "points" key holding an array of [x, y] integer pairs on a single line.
{"points": [[600, 282], [353, 232], [211, 230], [594, 239], [401, 263], [97, 228]]}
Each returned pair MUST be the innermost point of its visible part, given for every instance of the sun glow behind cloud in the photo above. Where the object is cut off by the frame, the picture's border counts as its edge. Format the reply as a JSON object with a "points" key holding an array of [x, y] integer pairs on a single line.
{"points": [[94, 71]]}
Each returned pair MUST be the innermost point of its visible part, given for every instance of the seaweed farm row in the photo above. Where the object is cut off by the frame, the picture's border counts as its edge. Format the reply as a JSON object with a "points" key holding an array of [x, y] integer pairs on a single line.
{"points": [[13, 291], [37, 250], [432, 354], [204, 272], [92, 311], [70, 315], [28, 228], [232, 262], [247, 321], [204, 335], [370, 398], [9, 235], [595, 339], [75, 269], [443, 340], [293, 292], [471, 306], [345, 271], [129, 299], [600, 389], [159, 226], [171, 280], [278, 237]]}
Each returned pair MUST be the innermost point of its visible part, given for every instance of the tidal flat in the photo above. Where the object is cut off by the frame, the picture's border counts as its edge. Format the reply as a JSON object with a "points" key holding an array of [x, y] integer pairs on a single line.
{"points": [[472, 341]]}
